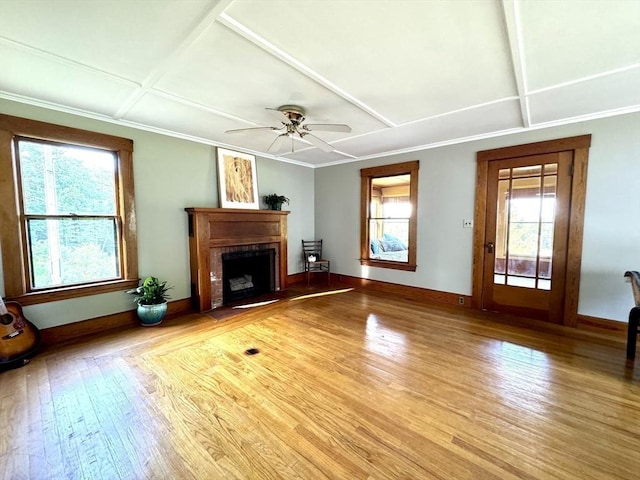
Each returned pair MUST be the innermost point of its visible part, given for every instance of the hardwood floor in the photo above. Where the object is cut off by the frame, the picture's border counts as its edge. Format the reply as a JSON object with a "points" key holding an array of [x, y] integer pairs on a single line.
{"points": [[349, 385]]}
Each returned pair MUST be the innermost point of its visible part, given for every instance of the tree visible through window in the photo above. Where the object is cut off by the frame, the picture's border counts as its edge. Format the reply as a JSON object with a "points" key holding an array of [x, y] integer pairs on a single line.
{"points": [[67, 222], [69, 202]]}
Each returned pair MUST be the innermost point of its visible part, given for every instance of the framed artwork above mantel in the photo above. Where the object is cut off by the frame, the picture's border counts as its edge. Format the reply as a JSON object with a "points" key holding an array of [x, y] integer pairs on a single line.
{"points": [[237, 179]]}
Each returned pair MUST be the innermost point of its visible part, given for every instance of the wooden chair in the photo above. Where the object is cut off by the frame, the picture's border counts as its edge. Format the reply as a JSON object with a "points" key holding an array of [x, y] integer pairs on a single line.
{"points": [[313, 261], [634, 315]]}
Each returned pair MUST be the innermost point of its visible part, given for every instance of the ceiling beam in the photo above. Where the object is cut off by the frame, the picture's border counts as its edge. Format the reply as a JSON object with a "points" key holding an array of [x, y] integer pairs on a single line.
{"points": [[172, 58], [270, 48], [52, 57], [514, 35]]}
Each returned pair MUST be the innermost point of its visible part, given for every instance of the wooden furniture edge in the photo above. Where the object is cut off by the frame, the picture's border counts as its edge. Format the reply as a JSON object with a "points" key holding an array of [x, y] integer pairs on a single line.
{"points": [[243, 211]]}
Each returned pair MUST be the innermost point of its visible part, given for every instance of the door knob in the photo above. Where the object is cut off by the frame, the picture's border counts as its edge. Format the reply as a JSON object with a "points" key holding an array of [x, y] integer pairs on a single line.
{"points": [[490, 246]]}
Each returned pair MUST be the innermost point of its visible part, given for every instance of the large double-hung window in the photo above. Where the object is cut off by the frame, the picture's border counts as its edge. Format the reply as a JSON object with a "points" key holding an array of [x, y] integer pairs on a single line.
{"points": [[69, 204], [68, 226]]}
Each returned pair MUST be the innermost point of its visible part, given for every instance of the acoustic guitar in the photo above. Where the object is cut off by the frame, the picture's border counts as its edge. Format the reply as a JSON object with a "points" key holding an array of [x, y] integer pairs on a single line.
{"points": [[19, 338]]}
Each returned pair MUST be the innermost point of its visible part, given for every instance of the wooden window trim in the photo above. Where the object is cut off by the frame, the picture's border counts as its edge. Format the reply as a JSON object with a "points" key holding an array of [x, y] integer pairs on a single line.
{"points": [[579, 146], [11, 235], [366, 176]]}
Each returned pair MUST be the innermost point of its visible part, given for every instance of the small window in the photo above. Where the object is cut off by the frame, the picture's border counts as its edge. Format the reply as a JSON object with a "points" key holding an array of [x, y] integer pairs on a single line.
{"points": [[388, 216], [70, 212]]}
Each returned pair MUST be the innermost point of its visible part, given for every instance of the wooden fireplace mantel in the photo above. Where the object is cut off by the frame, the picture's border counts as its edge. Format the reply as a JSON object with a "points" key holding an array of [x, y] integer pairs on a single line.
{"points": [[211, 230]]}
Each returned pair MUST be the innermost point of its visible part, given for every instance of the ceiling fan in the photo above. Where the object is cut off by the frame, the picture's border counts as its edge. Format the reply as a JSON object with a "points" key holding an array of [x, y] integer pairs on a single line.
{"points": [[292, 117]]}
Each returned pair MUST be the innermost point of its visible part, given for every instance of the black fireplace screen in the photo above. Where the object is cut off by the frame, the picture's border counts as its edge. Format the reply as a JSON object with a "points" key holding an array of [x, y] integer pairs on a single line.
{"points": [[247, 274]]}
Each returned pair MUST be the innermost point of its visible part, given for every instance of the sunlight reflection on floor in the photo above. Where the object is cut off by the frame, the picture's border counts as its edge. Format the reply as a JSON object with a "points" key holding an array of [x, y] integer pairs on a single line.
{"points": [[257, 304], [301, 297], [384, 341], [321, 294], [524, 370]]}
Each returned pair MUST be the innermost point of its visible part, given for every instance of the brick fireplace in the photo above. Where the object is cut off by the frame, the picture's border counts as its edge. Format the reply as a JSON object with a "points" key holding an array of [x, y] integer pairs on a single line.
{"points": [[214, 232]]}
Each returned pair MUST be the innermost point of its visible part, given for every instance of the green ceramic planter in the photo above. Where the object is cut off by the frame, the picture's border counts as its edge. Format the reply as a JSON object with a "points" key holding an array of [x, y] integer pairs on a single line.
{"points": [[150, 315]]}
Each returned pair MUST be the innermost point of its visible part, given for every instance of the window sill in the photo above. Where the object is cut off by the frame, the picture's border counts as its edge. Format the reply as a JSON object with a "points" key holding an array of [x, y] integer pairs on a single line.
{"points": [[67, 293], [388, 264]]}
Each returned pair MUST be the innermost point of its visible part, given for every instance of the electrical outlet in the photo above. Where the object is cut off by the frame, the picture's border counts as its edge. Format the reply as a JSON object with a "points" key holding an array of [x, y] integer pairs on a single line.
{"points": [[460, 300], [467, 223]]}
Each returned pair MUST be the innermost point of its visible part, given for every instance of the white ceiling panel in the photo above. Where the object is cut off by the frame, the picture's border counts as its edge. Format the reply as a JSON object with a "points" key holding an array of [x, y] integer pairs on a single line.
{"points": [[483, 120], [51, 80], [568, 40], [403, 74], [183, 119], [600, 94], [222, 61], [128, 38], [406, 59], [314, 156]]}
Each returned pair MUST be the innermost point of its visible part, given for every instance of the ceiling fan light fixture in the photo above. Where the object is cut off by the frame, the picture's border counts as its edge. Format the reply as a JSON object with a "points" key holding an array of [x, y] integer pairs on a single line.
{"points": [[291, 118], [293, 112]]}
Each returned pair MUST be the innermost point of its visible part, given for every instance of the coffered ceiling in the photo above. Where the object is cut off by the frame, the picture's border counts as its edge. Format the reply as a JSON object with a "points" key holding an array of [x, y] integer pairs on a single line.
{"points": [[404, 74]]}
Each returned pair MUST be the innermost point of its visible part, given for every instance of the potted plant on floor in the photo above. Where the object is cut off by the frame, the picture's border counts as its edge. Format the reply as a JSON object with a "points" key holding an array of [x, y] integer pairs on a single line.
{"points": [[275, 201], [151, 297]]}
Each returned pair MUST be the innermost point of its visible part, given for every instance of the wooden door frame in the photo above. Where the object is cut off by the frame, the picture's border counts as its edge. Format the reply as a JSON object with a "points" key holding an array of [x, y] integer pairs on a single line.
{"points": [[579, 146]]}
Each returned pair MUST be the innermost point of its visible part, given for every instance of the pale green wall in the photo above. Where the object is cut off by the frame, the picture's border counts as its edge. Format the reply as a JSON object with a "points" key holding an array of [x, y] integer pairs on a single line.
{"points": [[295, 183], [169, 175], [446, 197]]}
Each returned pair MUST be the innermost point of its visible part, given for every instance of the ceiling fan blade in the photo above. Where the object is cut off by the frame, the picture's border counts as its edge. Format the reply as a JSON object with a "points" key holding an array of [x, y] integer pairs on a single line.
{"points": [[278, 115], [238, 130], [276, 145], [328, 127], [318, 142]]}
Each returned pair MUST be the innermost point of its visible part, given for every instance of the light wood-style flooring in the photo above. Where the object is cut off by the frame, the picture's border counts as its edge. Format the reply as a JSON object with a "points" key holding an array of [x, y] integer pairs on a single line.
{"points": [[347, 385]]}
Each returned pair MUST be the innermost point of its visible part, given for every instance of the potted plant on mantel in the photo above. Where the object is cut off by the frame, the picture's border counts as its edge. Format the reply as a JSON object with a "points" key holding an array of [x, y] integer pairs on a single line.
{"points": [[275, 201], [151, 297]]}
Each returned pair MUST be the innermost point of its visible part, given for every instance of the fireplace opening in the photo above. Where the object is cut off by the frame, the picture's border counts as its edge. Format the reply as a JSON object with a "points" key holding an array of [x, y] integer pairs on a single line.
{"points": [[247, 274]]}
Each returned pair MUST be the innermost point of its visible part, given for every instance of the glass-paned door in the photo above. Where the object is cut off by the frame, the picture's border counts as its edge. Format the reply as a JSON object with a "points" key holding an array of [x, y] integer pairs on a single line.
{"points": [[527, 221]]}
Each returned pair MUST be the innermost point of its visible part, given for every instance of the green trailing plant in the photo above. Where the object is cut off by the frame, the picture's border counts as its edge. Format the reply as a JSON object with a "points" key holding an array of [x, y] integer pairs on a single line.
{"points": [[273, 200], [151, 292]]}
